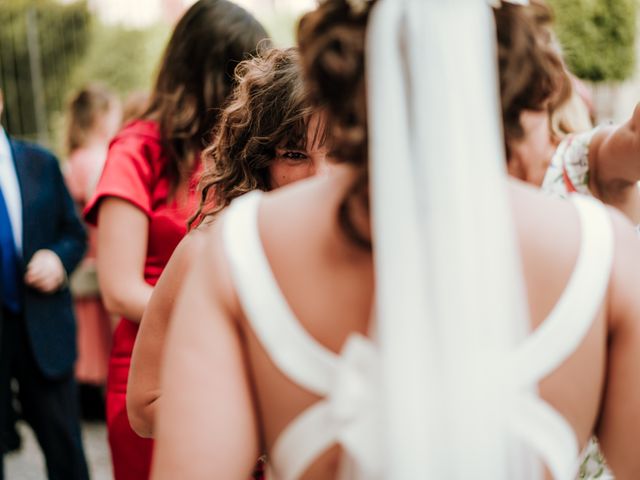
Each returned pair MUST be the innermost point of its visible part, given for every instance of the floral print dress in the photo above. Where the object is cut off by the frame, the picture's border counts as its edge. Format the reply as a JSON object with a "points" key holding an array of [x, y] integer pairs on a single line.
{"points": [[569, 169]]}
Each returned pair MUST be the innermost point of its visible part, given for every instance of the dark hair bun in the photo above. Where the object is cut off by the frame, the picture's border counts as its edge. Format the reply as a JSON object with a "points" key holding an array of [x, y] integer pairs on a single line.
{"points": [[332, 49], [332, 44]]}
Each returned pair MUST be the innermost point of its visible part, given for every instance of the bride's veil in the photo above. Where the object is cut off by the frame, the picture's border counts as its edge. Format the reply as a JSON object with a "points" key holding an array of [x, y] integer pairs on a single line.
{"points": [[450, 296]]}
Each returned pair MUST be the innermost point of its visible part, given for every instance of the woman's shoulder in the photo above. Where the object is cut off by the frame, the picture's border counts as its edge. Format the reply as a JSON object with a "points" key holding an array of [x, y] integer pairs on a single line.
{"points": [[538, 211], [145, 130], [284, 217], [309, 201], [183, 259], [550, 233], [139, 145], [187, 250], [141, 137]]}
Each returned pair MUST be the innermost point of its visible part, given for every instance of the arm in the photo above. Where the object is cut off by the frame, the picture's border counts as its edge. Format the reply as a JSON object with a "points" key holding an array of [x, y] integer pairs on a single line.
{"points": [[206, 422], [619, 424], [143, 389], [123, 231], [614, 155]]}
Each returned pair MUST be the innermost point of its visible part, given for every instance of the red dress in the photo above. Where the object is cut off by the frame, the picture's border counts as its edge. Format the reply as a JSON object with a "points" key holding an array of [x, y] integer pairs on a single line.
{"points": [[136, 171]]}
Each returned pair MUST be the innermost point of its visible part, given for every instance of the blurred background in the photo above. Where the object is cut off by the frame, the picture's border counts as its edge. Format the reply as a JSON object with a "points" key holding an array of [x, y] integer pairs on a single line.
{"points": [[50, 48], [49, 51]]}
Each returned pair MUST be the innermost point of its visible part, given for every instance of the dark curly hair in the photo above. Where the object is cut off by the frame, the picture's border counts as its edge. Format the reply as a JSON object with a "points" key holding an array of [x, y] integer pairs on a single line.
{"points": [[196, 76], [332, 47], [268, 109]]}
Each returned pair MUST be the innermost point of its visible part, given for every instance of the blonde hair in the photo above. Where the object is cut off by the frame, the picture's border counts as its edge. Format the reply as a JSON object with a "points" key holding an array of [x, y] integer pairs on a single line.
{"points": [[571, 116]]}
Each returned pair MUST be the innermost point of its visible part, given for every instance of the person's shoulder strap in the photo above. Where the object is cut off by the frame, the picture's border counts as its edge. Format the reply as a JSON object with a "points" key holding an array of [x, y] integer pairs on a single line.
{"points": [[291, 348], [565, 327], [344, 414], [535, 421]]}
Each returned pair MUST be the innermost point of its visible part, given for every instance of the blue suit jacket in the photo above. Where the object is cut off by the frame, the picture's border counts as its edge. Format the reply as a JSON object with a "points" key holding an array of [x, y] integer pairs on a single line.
{"points": [[49, 221]]}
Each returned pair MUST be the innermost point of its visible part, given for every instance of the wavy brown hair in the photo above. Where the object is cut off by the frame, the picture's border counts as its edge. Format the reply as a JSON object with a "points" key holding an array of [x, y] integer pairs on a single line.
{"points": [[196, 76], [268, 109], [332, 47], [532, 75]]}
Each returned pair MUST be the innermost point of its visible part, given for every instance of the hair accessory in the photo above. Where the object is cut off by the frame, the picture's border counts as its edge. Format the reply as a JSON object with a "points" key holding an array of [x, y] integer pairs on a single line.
{"points": [[358, 7]]}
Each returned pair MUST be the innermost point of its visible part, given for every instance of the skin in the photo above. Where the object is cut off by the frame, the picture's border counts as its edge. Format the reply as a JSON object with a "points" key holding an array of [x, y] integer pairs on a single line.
{"points": [[44, 271], [614, 160], [143, 389], [121, 257], [225, 402], [291, 165]]}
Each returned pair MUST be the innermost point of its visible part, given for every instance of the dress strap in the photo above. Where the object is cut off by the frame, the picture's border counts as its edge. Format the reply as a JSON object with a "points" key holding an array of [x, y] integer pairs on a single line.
{"points": [[287, 343], [532, 419], [347, 413], [569, 321], [348, 416]]}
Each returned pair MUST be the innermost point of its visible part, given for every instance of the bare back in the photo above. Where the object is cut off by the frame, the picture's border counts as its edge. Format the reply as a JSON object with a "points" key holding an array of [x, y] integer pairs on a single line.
{"points": [[328, 283]]}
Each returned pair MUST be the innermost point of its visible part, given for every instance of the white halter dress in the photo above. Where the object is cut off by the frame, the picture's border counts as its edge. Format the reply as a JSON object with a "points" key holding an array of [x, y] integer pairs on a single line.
{"points": [[349, 412]]}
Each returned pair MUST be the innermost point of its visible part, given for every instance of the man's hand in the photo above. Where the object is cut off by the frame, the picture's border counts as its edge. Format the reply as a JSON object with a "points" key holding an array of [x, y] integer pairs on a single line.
{"points": [[45, 272]]}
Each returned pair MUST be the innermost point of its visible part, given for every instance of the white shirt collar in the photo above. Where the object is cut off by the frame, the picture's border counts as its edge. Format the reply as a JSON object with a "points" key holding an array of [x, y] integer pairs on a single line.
{"points": [[11, 188], [5, 146]]}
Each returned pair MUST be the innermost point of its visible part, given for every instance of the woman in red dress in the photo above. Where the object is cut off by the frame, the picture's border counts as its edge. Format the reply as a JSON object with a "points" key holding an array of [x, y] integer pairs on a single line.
{"points": [[146, 192]]}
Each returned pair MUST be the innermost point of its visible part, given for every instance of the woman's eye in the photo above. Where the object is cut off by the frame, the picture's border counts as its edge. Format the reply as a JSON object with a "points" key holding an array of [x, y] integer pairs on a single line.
{"points": [[293, 155]]}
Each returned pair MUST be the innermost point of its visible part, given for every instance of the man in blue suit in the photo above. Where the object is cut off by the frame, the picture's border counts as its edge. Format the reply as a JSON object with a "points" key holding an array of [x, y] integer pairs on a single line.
{"points": [[41, 242]]}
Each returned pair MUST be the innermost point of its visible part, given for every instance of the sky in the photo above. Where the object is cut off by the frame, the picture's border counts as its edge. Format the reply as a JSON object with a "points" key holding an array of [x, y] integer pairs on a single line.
{"points": [[141, 13]]}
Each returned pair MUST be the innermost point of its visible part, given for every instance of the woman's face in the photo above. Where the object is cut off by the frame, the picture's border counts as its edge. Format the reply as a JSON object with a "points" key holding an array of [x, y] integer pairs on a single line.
{"points": [[293, 164]]}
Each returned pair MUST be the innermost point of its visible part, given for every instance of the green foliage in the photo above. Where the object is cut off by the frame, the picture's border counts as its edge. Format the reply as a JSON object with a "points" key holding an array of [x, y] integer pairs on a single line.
{"points": [[120, 58], [598, 37], [60, 33], [281, 26]]}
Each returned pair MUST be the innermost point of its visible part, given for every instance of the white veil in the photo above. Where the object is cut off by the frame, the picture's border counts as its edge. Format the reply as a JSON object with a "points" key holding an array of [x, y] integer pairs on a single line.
{"points": [[451, 302]]}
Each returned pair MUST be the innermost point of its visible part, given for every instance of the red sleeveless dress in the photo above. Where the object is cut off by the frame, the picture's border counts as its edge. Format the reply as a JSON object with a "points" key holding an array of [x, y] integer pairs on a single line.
{"points": [[135, 171]]}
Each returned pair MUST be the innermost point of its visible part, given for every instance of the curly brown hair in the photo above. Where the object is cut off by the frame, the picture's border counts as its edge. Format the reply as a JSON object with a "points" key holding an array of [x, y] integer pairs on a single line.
{"points": [[196, 76], [532, 74], [332, 47], [268, 109]]}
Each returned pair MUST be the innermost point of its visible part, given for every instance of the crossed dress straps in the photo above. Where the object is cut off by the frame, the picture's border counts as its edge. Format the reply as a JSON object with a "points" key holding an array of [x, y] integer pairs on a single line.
{"points": [[347, 413], [557, 338]]}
